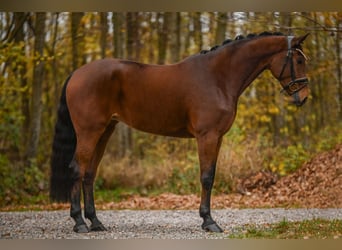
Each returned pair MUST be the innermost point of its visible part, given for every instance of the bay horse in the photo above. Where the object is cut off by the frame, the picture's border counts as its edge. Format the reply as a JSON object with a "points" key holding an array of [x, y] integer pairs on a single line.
{"points": [[194, 98]]}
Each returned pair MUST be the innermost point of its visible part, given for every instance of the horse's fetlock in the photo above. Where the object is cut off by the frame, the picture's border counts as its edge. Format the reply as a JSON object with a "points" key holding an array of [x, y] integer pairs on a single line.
{"points": [[204, 211]]}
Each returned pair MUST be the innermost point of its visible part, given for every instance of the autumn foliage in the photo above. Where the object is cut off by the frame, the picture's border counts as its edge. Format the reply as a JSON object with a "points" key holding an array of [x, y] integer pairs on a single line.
{"points": [[39, 50]]}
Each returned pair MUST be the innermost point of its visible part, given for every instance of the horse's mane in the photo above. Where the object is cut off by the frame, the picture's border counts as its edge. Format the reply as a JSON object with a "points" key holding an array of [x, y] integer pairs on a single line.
{"points": [[241, 37]]}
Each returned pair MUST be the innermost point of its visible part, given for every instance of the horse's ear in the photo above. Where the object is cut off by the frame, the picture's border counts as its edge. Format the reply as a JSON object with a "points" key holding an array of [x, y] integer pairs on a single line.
{"points": [[297, 41]]}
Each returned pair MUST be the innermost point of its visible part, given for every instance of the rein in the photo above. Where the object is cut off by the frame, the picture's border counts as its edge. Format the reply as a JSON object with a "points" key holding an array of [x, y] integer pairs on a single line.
{"points": [[296, 84]]}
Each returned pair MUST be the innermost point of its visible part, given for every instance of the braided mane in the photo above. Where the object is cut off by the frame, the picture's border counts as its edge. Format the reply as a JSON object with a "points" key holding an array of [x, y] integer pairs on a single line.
{"points": [[241, 37]]}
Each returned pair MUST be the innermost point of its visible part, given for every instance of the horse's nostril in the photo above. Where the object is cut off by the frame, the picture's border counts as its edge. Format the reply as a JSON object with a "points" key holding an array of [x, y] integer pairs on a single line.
{"points": [[304, 100], [301, 103]]}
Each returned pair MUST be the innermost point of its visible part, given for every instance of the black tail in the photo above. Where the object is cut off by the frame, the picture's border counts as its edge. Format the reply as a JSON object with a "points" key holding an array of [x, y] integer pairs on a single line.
{"points": [[63, 148]]}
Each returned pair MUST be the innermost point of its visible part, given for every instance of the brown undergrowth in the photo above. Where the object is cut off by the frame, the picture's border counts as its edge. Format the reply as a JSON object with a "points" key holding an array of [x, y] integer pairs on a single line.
{"points": [[317, 184]]}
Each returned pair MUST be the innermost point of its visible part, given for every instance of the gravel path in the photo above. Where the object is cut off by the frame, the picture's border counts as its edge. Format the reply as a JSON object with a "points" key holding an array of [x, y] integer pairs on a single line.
{"points": [[155, 224]]}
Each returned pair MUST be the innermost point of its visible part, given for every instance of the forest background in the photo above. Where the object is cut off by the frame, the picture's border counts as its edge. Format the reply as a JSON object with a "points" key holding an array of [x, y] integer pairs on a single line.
{"points": [[39, 50]]}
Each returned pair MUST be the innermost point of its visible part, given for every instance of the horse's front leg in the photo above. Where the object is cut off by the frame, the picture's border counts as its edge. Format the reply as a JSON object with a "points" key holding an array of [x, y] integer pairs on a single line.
{"points": [[208, 148]]}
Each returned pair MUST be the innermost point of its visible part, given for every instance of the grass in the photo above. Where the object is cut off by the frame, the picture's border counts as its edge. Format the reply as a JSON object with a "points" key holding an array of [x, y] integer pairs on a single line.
{"points": [[117, 195], [307, 229]]}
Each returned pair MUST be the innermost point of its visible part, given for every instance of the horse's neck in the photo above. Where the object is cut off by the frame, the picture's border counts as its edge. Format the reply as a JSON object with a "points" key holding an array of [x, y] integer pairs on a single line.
{"points": [[249, 60]]}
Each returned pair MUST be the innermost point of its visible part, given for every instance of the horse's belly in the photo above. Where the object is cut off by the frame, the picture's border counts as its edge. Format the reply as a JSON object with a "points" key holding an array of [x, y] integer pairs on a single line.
{"points": [[161, 123]]}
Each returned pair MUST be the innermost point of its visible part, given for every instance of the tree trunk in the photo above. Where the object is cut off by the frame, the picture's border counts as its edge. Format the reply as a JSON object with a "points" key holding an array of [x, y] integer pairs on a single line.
{"points": [[187, 34], [319, 81], [75, 38], [104, 32], [163, 36], [132, 42], [118, 21], [338, 63], [175, 42], [19, 37], [153, 27], [221, 27], [55, 73], [231, 25], [198, 38], [36, 98]]}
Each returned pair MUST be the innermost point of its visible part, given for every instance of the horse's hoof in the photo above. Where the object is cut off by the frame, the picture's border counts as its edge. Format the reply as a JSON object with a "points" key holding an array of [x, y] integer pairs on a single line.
{"points": [[98, 227], [81, 228], [213, 227]]}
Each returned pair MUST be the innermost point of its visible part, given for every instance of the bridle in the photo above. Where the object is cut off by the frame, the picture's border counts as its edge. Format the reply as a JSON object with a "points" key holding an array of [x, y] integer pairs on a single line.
{"points": [[296, 84]]}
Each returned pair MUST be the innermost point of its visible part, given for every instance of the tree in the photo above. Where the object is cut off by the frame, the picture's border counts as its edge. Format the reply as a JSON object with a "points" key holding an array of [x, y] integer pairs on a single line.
{"points": [[220, 34], [76, 38], [338, 42], [37, 86], [20, 69], [118, 21], [132, 38], [33, 71], [198, 37], [175, 38], [104, 32], [163, 20]]}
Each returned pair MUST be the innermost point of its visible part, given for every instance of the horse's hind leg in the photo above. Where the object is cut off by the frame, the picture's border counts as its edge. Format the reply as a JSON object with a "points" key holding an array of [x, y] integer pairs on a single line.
{"points": [[75, 200], [89, 178], [87, 140]]}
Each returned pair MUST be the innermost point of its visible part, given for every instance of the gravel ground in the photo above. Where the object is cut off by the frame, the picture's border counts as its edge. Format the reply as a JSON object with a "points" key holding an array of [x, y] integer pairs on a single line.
{"points": [[142, 224]]}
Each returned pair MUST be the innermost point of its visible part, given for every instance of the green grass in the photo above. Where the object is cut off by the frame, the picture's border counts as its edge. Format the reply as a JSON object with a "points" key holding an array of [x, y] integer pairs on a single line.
{"points": [[307, 229], [117, 195]]}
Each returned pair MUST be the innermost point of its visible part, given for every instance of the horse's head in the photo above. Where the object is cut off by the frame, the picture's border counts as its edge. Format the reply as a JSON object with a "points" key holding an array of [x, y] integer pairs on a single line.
{"points": [[288, 67]]}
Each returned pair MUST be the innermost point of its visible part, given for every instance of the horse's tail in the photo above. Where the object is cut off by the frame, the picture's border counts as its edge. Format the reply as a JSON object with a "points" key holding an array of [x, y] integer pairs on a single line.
{"points": [[63, 176]]}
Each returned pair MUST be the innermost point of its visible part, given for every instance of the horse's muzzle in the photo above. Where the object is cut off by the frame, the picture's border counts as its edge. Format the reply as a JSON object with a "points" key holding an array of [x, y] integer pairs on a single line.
{"points": [[297, 100], [301, 103]]}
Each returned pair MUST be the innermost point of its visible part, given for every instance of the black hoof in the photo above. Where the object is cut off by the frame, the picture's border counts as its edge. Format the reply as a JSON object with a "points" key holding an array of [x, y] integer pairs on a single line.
{"points": [[82, 228], [213, 227], [98, 227]]}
